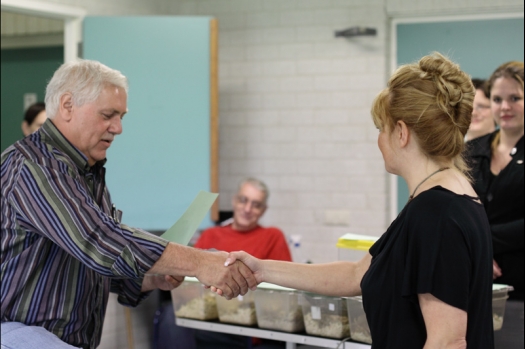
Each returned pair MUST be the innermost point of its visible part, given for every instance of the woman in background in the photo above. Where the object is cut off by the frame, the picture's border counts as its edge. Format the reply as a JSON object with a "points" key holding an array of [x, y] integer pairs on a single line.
{"points": [[482, 122], [497, 169], [34, 117], [427, 282]]}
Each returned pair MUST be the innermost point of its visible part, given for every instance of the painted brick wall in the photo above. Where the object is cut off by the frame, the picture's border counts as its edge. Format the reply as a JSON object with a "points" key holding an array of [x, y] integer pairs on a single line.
{"points": [[294, 112]]}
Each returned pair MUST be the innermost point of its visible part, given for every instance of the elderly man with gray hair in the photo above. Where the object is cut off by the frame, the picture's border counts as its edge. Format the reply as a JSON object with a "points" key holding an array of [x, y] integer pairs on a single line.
{"points": [[244, 232], [63, 247]]}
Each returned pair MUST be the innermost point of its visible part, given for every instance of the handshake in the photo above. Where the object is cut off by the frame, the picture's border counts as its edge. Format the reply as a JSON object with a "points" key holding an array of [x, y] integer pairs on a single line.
{"points": [[228, 275], [238, 273], [233, 274]]}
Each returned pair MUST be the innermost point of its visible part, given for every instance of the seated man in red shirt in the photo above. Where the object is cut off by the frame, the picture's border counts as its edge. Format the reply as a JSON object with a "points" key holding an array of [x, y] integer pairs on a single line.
{"points": [[244, 232]]}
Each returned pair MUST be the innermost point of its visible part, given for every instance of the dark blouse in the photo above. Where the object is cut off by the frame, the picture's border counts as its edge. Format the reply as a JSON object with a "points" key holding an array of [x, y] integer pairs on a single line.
{"points": [[503, 198], [439, 244]]}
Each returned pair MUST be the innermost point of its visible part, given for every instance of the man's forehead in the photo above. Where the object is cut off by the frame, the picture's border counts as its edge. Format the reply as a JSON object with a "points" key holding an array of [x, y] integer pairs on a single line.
{"points": [[250, 189]]}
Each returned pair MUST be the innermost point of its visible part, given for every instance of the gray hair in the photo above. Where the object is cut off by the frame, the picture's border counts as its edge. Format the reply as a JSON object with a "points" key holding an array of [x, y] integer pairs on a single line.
{"points": [[84, 79], [257, 184]]}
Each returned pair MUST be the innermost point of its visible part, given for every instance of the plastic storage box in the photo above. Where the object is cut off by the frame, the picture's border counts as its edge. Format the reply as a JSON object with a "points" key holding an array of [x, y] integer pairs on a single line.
{"points": [[359, 330], [239, 310], [499, 298], [191, 300], [325, 316], [278, 308]]}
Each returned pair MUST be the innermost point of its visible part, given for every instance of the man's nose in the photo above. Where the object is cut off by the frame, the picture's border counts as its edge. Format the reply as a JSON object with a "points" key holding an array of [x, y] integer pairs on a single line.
{"points": [[116, 126]]}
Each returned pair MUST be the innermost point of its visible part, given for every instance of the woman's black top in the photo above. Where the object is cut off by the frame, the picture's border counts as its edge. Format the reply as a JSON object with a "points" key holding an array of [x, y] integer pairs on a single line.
{"points": [[439, 244], [503, 198]]}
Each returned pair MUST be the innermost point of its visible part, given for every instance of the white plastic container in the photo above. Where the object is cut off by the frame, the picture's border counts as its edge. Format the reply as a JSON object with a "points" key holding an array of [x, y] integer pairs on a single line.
{"points": [[499, 299], [359, 330], [278, 308], [191, 300], [325, 316], [239, 310]]}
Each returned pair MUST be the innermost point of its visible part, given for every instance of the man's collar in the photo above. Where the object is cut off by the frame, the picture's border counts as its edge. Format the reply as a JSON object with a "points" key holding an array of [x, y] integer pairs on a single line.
{"points": [[52, 135]]}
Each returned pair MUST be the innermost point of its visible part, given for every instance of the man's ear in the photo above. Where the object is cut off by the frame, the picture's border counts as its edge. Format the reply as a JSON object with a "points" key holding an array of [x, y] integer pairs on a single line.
{"points": [[402, 133], [65, 107]]}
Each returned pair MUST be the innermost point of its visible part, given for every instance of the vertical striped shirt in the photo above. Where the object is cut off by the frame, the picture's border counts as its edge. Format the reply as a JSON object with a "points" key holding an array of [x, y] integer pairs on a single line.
{"points": [[61, 250]]}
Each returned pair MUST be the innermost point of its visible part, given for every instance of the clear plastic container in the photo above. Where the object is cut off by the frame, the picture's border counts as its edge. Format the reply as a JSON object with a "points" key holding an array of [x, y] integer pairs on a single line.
{"points": [[325, 316], [191, 300], [359, 330], [499, 299], [278, 308], [239, 310]]}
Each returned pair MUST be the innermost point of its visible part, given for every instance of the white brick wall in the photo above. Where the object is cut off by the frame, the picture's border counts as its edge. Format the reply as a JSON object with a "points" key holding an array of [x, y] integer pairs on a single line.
{"points": [[295, 111]]}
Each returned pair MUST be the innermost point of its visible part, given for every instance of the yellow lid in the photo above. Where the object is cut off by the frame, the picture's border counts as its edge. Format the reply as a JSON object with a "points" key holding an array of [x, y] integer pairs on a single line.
{"points": [[356, 242]]}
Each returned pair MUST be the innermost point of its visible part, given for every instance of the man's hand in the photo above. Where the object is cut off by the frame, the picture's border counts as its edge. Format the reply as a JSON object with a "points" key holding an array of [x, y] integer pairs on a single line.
{"points": [[233, 280], [163, 282], [246, 260]]}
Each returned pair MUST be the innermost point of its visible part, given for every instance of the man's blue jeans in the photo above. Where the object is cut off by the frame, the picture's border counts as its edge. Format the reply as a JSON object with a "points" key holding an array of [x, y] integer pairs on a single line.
{"points": [[16, 335]]}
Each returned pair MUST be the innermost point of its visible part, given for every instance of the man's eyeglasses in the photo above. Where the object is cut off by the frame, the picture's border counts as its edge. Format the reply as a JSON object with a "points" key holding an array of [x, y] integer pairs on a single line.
{"points": [[243, 200]]}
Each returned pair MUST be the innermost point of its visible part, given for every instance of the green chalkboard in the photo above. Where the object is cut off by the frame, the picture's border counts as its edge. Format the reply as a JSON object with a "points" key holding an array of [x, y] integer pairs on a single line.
{"points": [[24, 71]]}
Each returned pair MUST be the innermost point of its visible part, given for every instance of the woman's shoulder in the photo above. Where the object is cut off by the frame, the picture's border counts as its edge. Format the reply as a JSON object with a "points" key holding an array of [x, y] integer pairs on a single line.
{"points": [[439, 200]]}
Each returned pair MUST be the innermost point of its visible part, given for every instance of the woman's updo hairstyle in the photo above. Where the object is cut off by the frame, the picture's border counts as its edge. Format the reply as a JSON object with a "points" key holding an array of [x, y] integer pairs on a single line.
{"points": [[434, 99]]}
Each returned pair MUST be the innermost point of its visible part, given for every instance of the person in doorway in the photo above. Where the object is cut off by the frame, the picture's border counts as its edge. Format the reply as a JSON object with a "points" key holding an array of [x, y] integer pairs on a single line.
{"points": [[63, 246], [427, 281], [497, 169], [34, 118], [482, 122]]}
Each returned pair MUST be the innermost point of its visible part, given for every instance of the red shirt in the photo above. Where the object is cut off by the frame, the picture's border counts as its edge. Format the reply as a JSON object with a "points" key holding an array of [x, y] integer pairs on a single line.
{"points": [[260, 242]]}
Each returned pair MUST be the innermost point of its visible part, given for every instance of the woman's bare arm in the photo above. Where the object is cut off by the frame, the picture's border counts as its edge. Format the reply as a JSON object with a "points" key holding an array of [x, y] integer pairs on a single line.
{"points": [[332, 279], [446, 325]]}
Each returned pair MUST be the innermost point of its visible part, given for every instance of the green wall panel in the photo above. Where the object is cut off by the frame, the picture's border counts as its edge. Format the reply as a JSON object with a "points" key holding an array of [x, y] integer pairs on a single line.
{"points": [[24, 71]]}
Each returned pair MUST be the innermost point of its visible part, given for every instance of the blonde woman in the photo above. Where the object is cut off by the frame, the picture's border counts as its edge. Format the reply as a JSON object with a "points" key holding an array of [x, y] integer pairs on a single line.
{"points": [[427, 282]]}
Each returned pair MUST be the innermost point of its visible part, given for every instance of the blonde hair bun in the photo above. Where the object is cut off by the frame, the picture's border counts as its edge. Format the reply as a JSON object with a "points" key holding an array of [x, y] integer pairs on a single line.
{"points": [[433, 97], [451, 83]]}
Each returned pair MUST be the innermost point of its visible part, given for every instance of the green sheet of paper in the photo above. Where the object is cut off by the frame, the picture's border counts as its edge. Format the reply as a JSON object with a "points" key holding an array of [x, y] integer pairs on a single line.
{"points": [[184, 228]]}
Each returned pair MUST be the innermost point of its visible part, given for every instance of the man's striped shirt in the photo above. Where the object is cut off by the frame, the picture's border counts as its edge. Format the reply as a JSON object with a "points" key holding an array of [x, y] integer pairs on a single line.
{"points": [[61, 250]]}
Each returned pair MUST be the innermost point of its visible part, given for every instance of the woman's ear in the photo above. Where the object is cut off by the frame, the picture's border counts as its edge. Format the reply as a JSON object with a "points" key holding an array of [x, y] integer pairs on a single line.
{"points": [[402, 133]]}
